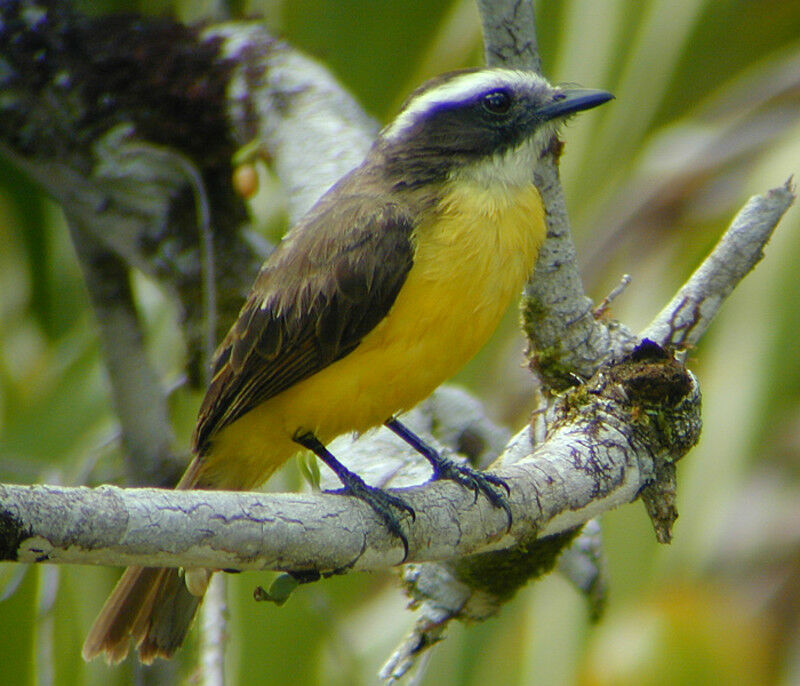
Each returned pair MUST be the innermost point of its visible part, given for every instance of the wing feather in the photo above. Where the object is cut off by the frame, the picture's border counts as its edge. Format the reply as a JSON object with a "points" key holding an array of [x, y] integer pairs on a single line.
{"points": [[329, 283]]}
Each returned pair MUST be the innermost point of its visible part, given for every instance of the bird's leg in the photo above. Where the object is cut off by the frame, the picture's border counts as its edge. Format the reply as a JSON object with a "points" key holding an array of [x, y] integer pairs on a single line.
{"points": [[379, 500], [444, 468]]}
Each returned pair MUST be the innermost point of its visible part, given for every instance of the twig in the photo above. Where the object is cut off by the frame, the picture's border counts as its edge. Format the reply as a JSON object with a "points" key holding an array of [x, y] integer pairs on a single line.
{"points": [[566, 341], [714, 279], [687, 316], [139, 401], [214, 634], [205, 233], [617, 291]]}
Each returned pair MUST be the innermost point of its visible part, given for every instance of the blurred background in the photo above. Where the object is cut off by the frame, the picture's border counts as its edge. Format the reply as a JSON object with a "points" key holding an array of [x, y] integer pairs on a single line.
{"points": [[707, 113]]}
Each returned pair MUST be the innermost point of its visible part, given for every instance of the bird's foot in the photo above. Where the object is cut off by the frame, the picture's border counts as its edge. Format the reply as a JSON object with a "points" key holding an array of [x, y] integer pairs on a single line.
{"points": [[445, 468], [477, 481], [382, 503]]}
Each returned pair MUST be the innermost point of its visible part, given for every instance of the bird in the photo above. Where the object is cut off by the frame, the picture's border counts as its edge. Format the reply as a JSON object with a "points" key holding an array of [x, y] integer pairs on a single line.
{"points": [[390, 283]]}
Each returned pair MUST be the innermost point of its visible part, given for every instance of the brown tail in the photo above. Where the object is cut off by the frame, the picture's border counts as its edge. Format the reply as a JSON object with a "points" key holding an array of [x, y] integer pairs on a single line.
{"points": [[149, 605], [152, 606]]}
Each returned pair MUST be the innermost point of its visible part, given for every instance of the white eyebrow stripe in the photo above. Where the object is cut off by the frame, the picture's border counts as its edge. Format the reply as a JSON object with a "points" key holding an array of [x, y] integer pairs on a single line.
{"points": [[460, 89]]}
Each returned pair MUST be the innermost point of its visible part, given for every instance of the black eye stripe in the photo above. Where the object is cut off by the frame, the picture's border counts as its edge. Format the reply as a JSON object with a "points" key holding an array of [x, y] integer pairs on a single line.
{"points": [[497, 101]]}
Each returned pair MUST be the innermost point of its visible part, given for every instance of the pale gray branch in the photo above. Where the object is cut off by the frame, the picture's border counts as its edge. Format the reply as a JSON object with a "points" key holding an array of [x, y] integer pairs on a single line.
{"points": [[557, 315], [592, 461], [509, 34], [313, 129], [139, 399], [687, 316], [214, 618]]}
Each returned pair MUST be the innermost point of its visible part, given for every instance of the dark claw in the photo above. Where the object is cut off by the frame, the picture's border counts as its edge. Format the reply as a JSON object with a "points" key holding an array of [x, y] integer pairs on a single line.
{"points": [[383, 504], [380, 501], [478, 482], [443, 468]]}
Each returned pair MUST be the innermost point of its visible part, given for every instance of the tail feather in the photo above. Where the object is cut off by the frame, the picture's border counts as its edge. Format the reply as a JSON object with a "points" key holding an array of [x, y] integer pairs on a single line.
{"points": [[149, 605], [162, 630]]}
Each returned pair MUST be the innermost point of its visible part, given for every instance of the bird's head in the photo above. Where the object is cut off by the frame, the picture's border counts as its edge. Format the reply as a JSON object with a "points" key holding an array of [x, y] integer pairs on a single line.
{"points": [[489, 125]]}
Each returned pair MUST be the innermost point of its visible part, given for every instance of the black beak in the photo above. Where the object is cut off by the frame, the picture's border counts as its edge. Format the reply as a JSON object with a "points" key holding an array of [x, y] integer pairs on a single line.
{"points": [[570, 100]]}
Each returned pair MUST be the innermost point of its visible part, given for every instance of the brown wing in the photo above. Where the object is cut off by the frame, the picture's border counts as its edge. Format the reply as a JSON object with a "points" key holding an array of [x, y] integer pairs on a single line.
{"points": [[331, 280]]}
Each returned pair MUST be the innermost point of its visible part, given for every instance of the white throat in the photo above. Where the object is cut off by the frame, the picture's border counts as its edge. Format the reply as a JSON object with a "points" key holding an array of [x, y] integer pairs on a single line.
{"points": [[512, 168]]}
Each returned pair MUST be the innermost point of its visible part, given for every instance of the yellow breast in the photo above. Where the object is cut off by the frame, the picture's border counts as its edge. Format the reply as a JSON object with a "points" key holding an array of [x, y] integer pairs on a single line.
{"points": [[471, 259], [470, 262]]}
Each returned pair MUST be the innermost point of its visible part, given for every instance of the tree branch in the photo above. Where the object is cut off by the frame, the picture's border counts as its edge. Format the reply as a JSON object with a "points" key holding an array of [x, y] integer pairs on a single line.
{"points": [[687, 316], [284, 100], [594, 459], [139, 400], [443, 594], [565, 339]]}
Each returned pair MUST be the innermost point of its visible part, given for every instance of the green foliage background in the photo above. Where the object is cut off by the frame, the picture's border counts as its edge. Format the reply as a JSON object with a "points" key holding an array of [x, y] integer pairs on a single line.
{"points": [[707, 113]]}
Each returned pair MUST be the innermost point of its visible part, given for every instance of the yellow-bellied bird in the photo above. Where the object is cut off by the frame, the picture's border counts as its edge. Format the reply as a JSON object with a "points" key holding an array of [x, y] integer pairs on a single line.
{"points": [[387, 287]]}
